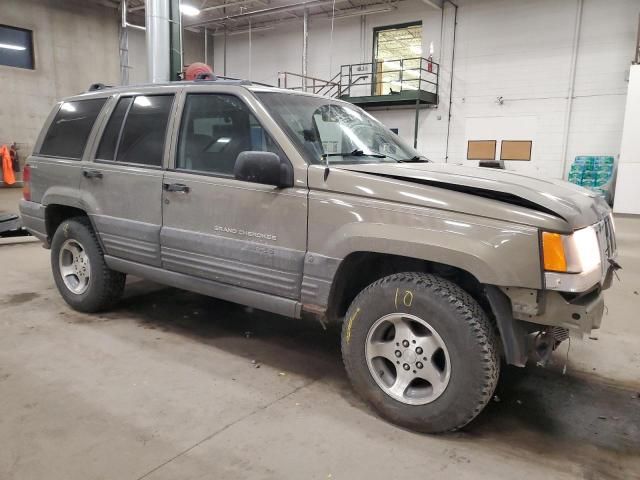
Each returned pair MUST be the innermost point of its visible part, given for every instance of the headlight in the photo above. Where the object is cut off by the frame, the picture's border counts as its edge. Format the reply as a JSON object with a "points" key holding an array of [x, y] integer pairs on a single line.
{"points": [[575, 253]]}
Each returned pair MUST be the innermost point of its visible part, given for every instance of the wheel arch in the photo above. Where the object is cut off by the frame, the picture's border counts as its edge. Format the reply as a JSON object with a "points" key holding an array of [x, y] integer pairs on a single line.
{"points": [[56, 213], [361, 268]]}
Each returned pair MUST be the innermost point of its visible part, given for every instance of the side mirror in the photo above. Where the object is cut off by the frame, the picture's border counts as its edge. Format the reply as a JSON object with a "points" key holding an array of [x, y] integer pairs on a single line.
{"points": [[263, 167]]}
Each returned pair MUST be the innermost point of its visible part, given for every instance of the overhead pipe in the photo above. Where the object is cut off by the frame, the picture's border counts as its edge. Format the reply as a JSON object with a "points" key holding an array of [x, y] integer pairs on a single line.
{"points": [[225, 5], [125, 23], [572, 83], [157, 15]]}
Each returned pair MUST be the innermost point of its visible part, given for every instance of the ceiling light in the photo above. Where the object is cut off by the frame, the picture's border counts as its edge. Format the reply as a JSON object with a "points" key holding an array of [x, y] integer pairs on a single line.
{"points": [[10, 46], [189, 10]]}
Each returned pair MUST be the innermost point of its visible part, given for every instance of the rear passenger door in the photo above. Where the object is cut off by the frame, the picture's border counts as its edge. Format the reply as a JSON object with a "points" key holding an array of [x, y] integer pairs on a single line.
{"points": [[219, 228], [122, 184]]}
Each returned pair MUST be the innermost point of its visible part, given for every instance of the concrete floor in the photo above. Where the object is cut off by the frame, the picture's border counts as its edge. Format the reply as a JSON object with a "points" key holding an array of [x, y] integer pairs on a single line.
{"points": [[164, 387]]}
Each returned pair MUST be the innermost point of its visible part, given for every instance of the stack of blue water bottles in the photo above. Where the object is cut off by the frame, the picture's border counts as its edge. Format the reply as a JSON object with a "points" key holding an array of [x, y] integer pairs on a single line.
{"points": [[594, 173]]}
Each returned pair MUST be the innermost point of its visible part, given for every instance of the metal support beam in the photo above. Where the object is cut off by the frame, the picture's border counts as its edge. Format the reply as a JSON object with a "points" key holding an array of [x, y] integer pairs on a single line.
{"points": [[206, 41], [224, 53], [175, 42], [305, 46]]}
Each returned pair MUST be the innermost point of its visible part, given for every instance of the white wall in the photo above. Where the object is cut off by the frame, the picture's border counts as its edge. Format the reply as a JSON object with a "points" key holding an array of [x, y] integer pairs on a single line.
{"points": [[629, 167], [519, 50]]}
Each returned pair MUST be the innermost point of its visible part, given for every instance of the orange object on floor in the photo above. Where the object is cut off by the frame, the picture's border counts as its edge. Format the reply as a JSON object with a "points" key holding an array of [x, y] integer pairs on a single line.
{"points": [[7, 166]]}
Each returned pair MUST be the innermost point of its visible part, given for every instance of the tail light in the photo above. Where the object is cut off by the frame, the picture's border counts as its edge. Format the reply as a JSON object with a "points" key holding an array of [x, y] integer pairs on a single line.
{"points": [[26, 182]]}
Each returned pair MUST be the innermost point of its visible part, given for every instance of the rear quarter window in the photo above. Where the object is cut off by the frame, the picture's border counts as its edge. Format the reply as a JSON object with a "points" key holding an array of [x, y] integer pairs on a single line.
{"points": [[69, 131]]}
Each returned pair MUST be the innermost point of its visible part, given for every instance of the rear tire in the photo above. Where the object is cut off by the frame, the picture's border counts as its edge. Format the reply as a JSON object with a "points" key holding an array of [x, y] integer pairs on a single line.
{"points": [[421, 351], [79, 270]]}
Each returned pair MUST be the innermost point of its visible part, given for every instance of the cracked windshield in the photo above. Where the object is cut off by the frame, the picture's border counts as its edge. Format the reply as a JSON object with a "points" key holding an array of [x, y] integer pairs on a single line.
{"points": [[336, 132]]}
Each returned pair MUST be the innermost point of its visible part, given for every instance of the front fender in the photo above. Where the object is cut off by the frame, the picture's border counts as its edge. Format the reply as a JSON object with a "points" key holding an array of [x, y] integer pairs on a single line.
{"points": [[495, 252], [493, 255]]}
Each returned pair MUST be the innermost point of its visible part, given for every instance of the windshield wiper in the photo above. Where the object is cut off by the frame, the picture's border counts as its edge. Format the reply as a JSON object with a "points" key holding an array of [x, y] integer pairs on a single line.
{"points": [[354, 153], [416, 159]]}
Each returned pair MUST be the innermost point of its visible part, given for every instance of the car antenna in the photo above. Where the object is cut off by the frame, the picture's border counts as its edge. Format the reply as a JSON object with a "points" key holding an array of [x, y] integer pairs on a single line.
{"points": [[333, 19]]}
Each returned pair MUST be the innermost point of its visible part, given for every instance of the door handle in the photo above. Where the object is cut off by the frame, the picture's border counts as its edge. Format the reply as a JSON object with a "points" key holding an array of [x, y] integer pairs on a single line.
{"points": [[176, 187], [92, 173]]}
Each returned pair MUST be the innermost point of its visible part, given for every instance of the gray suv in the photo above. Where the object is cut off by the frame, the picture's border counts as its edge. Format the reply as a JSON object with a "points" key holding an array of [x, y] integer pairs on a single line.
{"points": [[308, 207]]}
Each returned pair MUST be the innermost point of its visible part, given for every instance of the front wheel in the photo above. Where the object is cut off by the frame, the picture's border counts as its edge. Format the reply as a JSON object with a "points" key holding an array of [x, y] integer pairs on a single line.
{"points": [[421, 351], [79, 270]]}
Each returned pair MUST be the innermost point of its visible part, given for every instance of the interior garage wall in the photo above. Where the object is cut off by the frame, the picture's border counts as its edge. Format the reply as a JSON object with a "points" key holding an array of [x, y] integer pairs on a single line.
{"points": [[520, 51], [75, 45]]}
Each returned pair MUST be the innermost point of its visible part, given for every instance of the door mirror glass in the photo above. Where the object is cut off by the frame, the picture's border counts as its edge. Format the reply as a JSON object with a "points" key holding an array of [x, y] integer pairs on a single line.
{"points": [[263, 167]]}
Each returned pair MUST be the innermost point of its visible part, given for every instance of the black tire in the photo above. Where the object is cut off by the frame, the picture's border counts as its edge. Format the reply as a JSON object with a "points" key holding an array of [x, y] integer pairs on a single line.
{"points": [[460, 323], [105, 286]]}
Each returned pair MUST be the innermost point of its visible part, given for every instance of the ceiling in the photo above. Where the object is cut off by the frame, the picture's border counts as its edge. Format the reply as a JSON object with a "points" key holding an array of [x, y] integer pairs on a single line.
{"points": [[237, 16]]}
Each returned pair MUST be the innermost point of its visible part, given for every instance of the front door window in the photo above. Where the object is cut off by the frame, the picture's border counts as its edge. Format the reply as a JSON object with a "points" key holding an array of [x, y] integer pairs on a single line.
{"points": [[215, 129]]}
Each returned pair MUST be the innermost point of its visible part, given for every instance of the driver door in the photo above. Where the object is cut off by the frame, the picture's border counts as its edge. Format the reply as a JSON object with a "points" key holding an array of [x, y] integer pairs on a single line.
{"points": [[218, 228]]}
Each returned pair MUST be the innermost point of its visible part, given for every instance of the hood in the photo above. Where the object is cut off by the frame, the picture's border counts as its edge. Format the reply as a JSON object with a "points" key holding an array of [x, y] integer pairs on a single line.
{"points": [[578, 206]]}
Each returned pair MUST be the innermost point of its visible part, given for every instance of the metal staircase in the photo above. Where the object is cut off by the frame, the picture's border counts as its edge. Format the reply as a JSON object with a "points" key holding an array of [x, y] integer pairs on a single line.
{"points": [[388, 84]]}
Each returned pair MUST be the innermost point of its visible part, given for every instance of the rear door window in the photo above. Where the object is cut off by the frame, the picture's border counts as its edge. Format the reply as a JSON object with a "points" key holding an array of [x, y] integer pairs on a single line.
{"points": [[68, 134], [137, 130], [111, 135], [145, 129]]}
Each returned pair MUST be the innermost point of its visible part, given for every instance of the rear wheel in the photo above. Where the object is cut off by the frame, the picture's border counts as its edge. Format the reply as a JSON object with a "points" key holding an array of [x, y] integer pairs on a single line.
{"points": [[79, 270], [421, 351]]}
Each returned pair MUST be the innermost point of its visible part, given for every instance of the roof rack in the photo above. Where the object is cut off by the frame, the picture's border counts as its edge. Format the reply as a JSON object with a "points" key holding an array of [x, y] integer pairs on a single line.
{"points": [[243, 81], [98, 86], [201, 77]]}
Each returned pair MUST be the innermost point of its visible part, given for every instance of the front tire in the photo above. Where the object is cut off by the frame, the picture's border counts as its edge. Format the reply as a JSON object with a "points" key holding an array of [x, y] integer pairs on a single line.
{"points": [[79, 270], [421, 351]]}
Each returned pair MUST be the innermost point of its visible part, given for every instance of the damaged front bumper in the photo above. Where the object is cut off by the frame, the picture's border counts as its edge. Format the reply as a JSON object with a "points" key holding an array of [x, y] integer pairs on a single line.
{"points": [[520, 312]]}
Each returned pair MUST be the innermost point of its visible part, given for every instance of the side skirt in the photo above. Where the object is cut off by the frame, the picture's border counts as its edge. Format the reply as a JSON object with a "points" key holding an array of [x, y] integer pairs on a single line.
{"points": [[231, 293]]}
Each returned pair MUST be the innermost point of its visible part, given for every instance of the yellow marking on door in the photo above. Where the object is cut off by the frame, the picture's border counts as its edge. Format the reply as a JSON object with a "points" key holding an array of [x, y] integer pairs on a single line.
{"points": [[353, 317]]}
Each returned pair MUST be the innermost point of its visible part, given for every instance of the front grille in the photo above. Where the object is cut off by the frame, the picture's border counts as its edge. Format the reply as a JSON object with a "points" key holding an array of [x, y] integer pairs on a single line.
{"points": [[607, 241]]}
